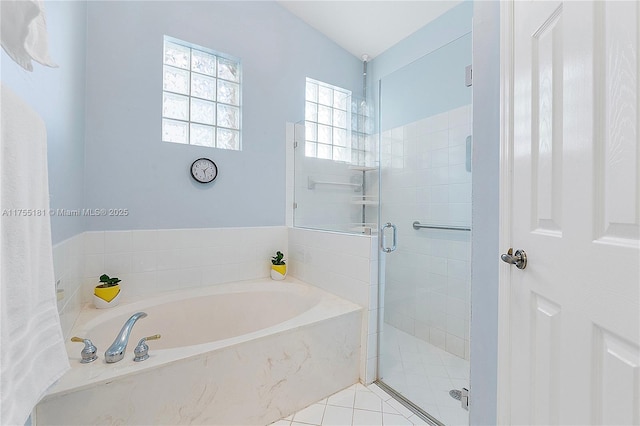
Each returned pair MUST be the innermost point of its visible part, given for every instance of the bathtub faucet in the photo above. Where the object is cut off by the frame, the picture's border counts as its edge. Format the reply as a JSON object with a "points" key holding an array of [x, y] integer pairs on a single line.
{"points": [[116, 351]]}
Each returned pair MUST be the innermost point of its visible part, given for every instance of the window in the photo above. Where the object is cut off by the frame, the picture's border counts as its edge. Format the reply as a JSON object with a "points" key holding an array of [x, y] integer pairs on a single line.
{"points": [[201, 96], [327, 121]]}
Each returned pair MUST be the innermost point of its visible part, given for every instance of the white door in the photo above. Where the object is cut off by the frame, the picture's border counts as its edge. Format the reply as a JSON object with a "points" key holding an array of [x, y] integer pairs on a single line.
{"points": [[570, 321]]}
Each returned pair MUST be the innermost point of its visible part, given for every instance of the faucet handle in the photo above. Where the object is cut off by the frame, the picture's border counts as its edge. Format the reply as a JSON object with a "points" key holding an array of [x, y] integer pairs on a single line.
{"points": [[142, 350], [88, 354]]}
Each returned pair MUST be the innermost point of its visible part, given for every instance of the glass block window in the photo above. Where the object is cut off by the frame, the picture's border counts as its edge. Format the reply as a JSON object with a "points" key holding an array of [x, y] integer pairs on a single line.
{"points": [[200, 97], [327, 121]]}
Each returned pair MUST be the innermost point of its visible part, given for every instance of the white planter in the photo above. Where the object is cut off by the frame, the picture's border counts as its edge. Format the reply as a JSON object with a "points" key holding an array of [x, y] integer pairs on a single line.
{"points": [[276, 272], [103, 304]]}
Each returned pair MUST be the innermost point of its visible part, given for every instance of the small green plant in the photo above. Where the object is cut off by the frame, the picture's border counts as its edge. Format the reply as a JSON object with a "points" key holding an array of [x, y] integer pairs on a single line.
{"points": [[278, 259], [107, 281]]}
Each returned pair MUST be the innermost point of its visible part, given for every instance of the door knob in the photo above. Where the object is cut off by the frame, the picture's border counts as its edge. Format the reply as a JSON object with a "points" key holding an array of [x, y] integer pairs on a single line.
{"points": [[519, 258]]}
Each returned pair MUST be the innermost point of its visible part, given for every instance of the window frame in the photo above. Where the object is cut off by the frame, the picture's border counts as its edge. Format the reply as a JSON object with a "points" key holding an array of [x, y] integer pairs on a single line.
{"points": [[190, 97], [347, 125]]}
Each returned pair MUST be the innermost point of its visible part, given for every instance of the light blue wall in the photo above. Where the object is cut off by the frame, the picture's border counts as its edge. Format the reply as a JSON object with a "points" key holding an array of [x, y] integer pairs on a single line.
{"points": [[485, 190], [451, 26], [428, 86], [58, 94], [128, 166]]}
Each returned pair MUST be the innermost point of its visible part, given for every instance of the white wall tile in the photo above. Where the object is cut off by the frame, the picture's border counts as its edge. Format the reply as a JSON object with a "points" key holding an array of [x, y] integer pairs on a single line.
{"points": [[143, 261], [93, 242], [140, 283], [144, 240], [167, 259], [441, 194], [118, 242], [455, 345], [116, 264], [460, 193], [93, 265], [191, 257], [460, 116], [437, 337]]}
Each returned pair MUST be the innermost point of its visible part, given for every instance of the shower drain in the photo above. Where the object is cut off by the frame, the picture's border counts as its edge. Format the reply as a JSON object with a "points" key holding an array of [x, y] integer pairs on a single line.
{"points": [[455, 394]]}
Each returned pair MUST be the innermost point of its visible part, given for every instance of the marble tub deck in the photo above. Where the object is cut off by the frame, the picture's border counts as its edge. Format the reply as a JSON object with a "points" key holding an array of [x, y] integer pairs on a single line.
{"points": [[253, 379]]}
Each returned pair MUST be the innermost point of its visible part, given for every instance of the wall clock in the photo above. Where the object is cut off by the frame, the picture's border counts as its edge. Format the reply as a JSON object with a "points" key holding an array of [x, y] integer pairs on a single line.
{"points": [[204, 170]]}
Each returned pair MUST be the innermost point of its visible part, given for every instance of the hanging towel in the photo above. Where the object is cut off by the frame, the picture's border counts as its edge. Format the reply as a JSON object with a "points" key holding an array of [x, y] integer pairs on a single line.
{"points": [[23, 32], [32, 351]]}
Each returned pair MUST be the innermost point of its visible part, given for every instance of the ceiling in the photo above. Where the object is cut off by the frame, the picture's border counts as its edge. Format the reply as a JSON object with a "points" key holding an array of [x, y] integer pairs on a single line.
{"points": [[368, 27]]}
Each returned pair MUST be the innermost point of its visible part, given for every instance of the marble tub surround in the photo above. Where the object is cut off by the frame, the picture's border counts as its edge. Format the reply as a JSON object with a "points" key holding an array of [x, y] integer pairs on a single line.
{"points": [[345, 265], [280, 369]]}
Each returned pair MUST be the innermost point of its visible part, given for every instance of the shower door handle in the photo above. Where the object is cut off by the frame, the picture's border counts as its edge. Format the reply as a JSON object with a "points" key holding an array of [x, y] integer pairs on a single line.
{"points": [[383, 240]]}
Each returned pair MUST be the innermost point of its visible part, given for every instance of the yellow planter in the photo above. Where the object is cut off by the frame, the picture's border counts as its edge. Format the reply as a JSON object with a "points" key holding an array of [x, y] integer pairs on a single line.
{"points": [[107, 293], [278, 272]]}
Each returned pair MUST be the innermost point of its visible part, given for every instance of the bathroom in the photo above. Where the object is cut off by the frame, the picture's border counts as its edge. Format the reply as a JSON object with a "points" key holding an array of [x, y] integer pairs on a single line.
{"points": [[164, 232]]}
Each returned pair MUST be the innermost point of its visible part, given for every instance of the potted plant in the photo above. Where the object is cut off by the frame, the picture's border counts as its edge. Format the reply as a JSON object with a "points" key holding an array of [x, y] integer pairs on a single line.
{"points": [[278, 267], [107, 293]]}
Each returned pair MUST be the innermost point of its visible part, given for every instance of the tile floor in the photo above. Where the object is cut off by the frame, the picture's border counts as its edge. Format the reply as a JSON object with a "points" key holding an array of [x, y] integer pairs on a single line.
{"points": [[420, 371], [424, 374], [357, 405]]}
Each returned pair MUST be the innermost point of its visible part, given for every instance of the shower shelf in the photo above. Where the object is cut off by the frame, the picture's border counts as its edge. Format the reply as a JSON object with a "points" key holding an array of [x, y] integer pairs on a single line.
{"points": [[362, 168], [311, 184], [365, 200]]}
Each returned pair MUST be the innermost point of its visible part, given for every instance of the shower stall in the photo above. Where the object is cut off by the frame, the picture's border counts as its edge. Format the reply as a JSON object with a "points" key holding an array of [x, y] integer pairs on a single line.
{"points": [[425, 215], [401, 168]]}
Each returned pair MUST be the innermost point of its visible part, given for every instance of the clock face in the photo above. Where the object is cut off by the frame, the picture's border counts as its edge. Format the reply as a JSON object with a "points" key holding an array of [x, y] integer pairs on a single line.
{"points": [[204, 170]]}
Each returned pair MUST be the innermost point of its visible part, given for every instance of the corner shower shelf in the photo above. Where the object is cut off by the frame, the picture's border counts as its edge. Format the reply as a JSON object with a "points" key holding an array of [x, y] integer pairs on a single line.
{"points": [[311, 184], [366, 200], [362, 168]]}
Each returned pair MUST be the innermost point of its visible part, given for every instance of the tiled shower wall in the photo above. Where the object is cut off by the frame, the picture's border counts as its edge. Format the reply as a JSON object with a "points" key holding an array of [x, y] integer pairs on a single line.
{"points": [[425, 177]]}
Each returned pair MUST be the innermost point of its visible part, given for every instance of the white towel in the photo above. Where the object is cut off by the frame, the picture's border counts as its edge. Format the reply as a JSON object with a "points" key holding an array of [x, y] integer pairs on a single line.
{"points": [[32, 351], [23, 32]]}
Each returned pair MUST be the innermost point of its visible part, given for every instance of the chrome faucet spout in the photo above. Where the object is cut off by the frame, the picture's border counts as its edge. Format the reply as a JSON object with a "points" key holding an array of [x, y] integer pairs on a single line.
{"points": [[115, 352]]}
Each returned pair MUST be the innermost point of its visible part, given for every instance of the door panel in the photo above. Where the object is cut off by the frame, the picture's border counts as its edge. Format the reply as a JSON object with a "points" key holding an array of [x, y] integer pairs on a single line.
{"points": [[575, 209]]}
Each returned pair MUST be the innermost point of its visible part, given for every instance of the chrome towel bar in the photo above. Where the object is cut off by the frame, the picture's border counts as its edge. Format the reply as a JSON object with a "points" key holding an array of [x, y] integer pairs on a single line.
{"points": [[418, 225]]}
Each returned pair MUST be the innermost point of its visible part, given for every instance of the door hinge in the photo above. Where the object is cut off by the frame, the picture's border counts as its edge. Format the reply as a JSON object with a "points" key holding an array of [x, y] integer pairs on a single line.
{"points": [[464, 398], [468, 76], [295, 144], [295, 205]]}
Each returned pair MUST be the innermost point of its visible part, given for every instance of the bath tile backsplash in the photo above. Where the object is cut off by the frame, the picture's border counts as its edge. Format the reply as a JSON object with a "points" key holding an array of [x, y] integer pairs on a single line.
{"points": [[179, 258], [69, 271], [161, 260]]}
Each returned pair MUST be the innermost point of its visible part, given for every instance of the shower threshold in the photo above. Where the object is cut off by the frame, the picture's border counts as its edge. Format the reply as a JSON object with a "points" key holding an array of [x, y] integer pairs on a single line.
{"points": [[410, 405]]}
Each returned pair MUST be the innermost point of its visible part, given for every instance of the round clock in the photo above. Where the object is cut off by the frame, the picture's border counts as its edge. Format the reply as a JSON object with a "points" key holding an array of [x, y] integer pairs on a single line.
{"points": [[204, 170]]}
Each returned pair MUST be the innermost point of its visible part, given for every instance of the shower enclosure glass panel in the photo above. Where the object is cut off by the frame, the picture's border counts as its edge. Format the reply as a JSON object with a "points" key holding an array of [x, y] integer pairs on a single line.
{"points": [[425, 177], [335, 167]]}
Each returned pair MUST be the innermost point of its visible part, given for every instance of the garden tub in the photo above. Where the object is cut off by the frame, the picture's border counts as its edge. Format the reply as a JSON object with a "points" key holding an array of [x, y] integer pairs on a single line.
{"points": [[240, 353]]}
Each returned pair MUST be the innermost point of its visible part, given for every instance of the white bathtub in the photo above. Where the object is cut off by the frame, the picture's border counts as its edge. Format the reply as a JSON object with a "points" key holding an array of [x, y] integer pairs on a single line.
{"points": [[241, 353]]}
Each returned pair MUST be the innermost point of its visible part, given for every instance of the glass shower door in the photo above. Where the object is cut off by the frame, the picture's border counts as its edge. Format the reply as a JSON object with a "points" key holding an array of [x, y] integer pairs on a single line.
{"points": [[425, 191]]}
